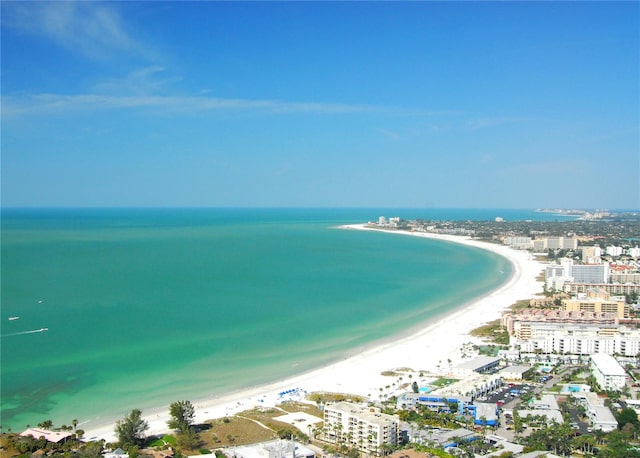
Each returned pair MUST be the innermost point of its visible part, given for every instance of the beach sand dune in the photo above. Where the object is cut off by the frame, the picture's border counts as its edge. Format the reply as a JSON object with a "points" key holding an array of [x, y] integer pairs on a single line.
{"points": [[432, 350]]}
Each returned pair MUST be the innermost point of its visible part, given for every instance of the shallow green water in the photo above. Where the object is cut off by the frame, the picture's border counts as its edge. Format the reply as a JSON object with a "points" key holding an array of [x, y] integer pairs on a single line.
{"points": [[145, 307]]}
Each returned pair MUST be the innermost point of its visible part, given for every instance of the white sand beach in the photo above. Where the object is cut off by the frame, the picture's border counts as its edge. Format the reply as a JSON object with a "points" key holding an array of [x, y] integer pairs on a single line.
{"points": [[432, 350]]}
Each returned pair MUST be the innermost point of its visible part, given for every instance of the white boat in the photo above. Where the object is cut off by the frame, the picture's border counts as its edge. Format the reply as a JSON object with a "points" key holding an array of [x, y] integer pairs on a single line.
{"points": [[12, 318]]}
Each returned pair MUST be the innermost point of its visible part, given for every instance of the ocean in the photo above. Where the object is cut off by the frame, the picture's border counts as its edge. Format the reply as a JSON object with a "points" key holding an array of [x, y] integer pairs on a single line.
{"points": [[106, 310]]}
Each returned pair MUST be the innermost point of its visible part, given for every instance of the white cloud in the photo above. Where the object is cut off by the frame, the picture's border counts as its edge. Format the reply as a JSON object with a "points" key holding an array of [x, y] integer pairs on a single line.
{"points": [[87, 28], [43, 104], [147, 80]]}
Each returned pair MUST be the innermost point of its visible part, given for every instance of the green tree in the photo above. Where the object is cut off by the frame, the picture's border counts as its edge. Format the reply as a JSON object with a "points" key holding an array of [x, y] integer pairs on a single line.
{"points": [[285, 433], [47, 424], [625, 416], [414, 387], [189, 439], [182, 413], [618, 447], [131, 429]]}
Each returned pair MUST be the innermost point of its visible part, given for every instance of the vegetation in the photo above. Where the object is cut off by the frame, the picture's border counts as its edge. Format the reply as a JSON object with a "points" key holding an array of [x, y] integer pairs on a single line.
{"points": [[182, 413], [443, 382], [131, 430], [324, 396], [12, 444]]}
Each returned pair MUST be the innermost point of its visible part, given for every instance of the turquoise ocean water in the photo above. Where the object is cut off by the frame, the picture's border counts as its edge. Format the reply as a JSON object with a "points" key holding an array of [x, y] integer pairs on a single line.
{"points": [[146, 306]]}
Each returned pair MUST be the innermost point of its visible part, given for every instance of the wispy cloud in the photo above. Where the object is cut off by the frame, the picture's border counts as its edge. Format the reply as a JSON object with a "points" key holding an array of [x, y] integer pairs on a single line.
{"points": [[46, 104], [482, 123], [147, 80], [94, 30]]}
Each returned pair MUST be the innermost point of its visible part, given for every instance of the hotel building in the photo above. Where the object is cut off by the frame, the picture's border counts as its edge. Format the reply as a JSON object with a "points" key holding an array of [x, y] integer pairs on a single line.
{"points": [[519, 243], [597, 300], [558, 276], [362, 427], [568, 332], [555, 243], [611, 288]]}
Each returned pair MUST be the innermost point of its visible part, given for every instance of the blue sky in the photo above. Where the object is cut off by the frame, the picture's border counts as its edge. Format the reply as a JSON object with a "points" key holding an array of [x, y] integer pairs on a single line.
{"points": [[299, 104]]}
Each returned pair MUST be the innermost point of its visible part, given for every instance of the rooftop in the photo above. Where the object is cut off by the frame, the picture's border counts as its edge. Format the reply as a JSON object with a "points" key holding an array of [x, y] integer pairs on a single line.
{"points": [[479, 363], [607, 364], [50, 436]]}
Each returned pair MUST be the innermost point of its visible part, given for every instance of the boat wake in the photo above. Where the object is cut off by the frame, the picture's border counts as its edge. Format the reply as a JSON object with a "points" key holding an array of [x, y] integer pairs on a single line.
{"points": [[25, 332]]}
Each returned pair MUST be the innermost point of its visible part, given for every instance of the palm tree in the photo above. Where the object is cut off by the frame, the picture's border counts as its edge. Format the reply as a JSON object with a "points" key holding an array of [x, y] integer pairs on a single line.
{"points": [[74, 422], [47, 424]]}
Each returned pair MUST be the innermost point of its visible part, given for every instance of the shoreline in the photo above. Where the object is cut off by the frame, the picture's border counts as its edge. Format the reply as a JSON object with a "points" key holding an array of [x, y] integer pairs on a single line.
{"points": [[432, 349]]}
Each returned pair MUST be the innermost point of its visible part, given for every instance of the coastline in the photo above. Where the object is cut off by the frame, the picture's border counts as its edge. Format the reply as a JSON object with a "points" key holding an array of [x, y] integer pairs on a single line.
{"points": [[432, 350]]}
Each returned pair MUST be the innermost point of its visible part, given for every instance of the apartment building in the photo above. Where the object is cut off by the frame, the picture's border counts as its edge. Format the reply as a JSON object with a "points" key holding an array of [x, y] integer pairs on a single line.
{"points": [[555, 243], [597, 300], [611, 288], [521, 324], [614, 250], [590, 273], [608, 373], [591, 254], [626, 278], [271, 449], [599, 415], [558, 276], [361, 427], [519, 243], [575, 338]]}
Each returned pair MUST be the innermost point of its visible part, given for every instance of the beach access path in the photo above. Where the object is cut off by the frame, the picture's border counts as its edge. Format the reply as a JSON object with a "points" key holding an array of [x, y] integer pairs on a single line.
{"points": [[432, 350]]}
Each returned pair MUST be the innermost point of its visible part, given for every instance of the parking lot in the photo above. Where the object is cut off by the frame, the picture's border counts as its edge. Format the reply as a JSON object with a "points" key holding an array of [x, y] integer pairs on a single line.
{"points": [[506, 393]]}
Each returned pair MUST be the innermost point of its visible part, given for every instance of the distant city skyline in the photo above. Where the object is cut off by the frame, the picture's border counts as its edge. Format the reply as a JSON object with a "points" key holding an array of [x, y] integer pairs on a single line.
{"points": [[312, 104]]}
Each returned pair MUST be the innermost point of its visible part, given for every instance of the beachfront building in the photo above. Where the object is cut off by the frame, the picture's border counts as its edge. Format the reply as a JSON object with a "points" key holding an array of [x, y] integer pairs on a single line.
{"points": [[519, 243], [597, 300], [391, 222], [56, 437], [608, 373], [480, 365], [556, 275], [361, 427], [271, 449], [611, 288], [576, 339], [590, 273], [559, 275], [530, 322], [570, 332], [555, 243]]}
